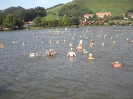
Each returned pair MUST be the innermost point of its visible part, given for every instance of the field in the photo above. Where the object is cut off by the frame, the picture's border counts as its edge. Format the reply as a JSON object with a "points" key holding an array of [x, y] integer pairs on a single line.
{"points": [[116, 7]]}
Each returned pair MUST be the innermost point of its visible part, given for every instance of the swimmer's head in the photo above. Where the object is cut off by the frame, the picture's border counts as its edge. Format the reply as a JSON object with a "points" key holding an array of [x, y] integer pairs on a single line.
{"points": [[71, 49], [90, 55], [50, 50]]}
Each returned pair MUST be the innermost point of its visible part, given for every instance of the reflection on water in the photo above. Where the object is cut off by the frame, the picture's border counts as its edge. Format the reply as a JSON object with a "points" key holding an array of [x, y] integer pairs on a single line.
{"points": [[60, 77]]}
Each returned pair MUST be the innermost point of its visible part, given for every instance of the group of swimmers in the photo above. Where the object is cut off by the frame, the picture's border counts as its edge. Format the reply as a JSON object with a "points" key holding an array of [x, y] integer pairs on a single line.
{"points": [[71, 54]]}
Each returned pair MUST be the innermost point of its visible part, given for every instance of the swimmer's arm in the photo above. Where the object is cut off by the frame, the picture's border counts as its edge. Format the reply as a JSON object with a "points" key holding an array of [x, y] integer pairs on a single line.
{"points": [[74, 54], [54, 52], [48, 53], [68, 54]]}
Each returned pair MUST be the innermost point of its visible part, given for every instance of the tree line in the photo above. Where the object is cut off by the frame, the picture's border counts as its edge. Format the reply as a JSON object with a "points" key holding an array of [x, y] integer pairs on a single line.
{"points": [[16, 16], [69, 15], [74, 11], [65, 21]]}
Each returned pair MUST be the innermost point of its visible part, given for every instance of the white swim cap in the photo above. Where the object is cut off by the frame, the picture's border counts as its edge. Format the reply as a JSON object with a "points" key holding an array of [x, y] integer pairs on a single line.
{"points": [[80, 41]]}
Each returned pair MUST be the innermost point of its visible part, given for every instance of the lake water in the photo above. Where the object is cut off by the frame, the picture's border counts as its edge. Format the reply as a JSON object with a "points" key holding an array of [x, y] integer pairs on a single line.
{"points": [[43, 77]]}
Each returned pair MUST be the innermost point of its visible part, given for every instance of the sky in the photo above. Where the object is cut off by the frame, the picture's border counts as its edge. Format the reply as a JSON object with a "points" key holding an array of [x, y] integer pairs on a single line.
{"points": [[4, 4]]}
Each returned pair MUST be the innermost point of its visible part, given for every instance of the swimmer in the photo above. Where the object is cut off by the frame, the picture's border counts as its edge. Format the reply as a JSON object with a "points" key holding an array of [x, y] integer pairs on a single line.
{"points": [[127, 39], [1, 46], [57, 42], [114, 42], [73, 37], [91, 40], [50, 41], [71, 53], [90, 57], [84, 51], [23, 43], [87, 38], [70, 44], [81, 42], [80, 47], [32, 54], [117, 64], [91, 45], [103, 44], [51, 52]]}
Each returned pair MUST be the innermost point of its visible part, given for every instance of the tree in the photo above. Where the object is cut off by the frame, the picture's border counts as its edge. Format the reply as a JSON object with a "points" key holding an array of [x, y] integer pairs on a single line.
{"points": [[65, 21], [9, 21], [74, 21], [129, 13], [55, 23], [38, 21], [40, 11], [44, 22], [30, 14], [19, 22], [12, 10], [49, 23], [1, 17], [112, 23], [52, 23], [74, 10]]}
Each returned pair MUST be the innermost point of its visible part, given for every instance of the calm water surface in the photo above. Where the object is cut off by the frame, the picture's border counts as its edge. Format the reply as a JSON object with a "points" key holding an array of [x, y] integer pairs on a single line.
{"points": [[43, 77]]}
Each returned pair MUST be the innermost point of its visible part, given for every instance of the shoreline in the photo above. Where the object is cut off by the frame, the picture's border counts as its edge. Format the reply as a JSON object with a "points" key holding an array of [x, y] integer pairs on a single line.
{"points": [[36, 28]]}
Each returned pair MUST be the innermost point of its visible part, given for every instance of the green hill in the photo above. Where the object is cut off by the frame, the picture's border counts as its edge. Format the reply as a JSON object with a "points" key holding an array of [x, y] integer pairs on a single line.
{"points": [[52, 13], [116, 7]]}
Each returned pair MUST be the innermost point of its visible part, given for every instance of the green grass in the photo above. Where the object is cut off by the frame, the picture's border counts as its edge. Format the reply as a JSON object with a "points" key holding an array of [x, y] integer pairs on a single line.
{"points": [[116, 7], [53, 13]]}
